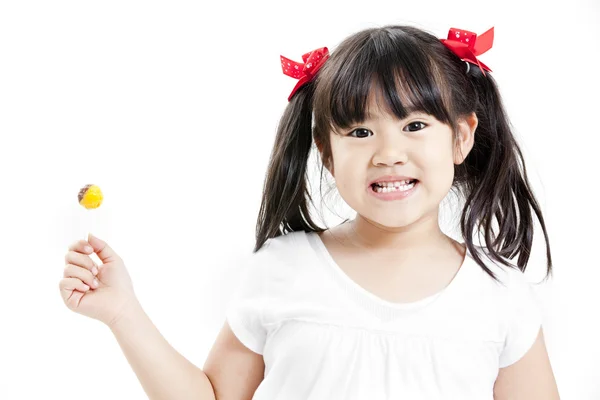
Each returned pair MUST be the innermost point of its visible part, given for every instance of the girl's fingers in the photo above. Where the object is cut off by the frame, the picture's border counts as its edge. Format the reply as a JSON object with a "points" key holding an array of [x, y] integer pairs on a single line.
{"points": [[74, 271], [81, 260], [67, 285], [72, 290], [81, 246]]}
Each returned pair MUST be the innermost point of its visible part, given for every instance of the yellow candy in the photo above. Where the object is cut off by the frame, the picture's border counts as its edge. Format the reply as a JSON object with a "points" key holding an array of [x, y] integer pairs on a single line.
{"points": [[90, 196]]}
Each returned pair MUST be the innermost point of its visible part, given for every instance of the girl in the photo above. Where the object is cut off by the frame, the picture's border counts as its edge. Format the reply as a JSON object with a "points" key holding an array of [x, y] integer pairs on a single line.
{"points": [[385, 306]]}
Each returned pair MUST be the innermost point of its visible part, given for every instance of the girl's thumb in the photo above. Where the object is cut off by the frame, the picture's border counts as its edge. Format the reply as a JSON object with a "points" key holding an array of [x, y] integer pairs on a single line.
{"points": [[104, 251]]}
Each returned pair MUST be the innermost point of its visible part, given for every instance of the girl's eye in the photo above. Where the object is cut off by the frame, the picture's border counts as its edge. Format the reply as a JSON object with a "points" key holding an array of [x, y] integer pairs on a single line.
{"points": [[362, 132], [415, 123]]}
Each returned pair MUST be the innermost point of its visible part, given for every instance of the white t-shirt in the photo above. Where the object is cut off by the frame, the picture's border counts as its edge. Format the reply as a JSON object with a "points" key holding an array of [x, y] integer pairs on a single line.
{"points": [[323, 336]]}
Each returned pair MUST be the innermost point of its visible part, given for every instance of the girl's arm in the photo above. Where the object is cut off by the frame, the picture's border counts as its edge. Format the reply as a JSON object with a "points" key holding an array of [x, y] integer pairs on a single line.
{"points": [[162, 371], [234, 370], [530, 378]]}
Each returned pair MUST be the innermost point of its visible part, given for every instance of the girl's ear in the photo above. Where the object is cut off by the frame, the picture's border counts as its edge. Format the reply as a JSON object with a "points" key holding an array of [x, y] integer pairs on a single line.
{"points": [[325, 163], [466, 137]]}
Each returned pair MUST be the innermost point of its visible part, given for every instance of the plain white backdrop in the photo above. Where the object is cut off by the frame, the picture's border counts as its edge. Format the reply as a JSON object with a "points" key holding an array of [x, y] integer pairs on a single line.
{"points": [[171, 108]]}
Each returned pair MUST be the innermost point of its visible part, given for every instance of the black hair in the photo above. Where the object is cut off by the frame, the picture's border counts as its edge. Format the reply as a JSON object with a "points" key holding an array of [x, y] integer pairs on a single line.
{"points": [[412, 69]]}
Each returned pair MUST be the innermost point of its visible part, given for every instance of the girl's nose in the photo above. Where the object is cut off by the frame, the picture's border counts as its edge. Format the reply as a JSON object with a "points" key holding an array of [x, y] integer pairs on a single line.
{"points": [[391, 151]]}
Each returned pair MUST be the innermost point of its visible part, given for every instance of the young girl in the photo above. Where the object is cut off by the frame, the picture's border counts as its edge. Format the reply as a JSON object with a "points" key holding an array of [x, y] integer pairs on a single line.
{"points": [[385, 306]]}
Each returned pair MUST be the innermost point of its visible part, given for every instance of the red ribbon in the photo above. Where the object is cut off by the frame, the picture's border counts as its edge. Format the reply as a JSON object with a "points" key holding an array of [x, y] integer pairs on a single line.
{"points": [[467, 45], [304, 72]]}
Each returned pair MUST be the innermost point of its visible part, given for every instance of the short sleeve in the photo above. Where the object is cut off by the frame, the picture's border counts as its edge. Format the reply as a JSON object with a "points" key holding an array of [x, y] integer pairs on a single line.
{"points": [[245, 309], [524, 319]]}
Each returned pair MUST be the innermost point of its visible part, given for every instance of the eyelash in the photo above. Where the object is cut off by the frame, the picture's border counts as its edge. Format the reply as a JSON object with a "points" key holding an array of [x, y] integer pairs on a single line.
{"points": [[364, 129]]}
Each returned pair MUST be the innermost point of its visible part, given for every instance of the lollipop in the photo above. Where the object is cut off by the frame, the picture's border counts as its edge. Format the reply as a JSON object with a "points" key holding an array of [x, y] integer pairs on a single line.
{"points": [[90, 197]]}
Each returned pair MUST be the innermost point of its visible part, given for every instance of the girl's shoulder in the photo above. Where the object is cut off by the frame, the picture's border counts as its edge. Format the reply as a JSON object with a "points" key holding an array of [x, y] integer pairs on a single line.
{"points": [[275, 261], [287, 246], [287, 240], [280, 255], [509, 278]]}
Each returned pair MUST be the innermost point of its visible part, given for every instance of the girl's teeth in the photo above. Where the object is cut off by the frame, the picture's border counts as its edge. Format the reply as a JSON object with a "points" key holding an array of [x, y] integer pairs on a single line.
{"points": [[395, 188], [392, 184]]}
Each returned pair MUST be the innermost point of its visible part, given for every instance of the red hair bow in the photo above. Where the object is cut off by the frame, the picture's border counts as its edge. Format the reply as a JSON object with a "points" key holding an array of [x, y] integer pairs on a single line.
{"points": [[467, 45], [313, 61]]}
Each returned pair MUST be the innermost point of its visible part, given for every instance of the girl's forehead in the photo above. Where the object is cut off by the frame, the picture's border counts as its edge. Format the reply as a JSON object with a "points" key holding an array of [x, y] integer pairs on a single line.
{"points": [[378, 112], [377, 106]]}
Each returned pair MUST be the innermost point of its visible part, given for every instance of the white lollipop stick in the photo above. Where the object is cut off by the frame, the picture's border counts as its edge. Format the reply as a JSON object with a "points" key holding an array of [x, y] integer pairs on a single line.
{"points": [[91, 224]]}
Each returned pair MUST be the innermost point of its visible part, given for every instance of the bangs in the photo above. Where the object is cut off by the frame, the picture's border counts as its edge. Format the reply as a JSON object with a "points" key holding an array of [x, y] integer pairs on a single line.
{"points": [[388, 65]]}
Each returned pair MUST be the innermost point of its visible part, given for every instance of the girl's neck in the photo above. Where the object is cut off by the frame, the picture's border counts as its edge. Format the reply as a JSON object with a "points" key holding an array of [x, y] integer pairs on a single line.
{"points": [[422, 235]]}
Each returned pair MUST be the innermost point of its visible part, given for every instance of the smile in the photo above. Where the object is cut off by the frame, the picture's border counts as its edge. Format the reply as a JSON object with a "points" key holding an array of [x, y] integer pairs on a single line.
{"points": [[395, 191]]}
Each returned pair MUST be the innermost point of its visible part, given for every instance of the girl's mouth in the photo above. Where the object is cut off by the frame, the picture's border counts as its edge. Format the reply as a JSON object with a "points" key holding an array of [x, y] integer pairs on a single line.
{"points": [[393, 191]]}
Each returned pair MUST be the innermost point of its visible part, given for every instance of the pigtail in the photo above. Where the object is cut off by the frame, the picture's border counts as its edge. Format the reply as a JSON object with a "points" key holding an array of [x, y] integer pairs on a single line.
{"points": [[284, 206], [497, 186]]}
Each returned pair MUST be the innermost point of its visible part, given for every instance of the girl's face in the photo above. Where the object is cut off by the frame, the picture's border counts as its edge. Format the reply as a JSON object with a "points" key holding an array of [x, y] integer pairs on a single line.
{"points": [[419, 147]]}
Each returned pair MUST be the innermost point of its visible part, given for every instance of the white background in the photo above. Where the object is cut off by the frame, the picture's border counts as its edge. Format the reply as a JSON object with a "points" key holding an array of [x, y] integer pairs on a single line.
{"points": [[171, 108]]}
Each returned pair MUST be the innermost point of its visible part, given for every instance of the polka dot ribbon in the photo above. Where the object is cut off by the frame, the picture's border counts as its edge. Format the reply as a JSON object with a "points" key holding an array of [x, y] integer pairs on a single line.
{"points": [[304, 72], [467, 45]]}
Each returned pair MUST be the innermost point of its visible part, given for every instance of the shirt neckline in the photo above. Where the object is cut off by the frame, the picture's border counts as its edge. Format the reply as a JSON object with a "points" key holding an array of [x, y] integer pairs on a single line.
{"points": [[383, 308]]}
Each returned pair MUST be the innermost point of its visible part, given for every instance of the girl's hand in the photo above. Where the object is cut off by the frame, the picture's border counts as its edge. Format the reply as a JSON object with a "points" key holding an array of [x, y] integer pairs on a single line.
{"points": [[103, 292]]}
